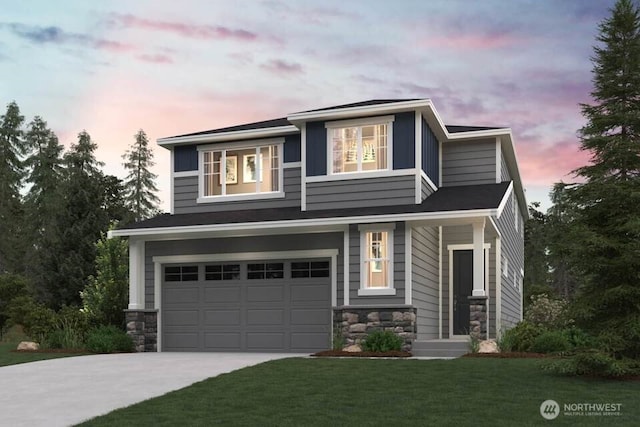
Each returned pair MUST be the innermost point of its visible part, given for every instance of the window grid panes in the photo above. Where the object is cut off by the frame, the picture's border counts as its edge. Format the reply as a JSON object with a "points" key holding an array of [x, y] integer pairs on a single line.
{"points": [[377, 259], [222, 272], [265, 270], [181, 273], [309, 269], [361, 148]]}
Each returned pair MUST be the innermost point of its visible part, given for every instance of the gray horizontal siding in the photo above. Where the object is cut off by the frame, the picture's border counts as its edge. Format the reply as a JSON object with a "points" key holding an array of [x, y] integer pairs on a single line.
{"points": [[426, 190], [295, 242], [469, 163], [185, 190], [425, 280], [354, 193]]}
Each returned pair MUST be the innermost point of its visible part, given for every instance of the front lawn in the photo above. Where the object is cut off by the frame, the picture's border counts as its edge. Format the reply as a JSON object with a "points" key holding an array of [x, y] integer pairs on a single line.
{"points": [[327, 392], [9, 357]]}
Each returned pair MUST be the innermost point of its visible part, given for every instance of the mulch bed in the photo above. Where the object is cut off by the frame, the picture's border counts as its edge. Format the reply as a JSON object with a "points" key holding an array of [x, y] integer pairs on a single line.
{"points": [[340, 353], [54, 350], [511, 355]]}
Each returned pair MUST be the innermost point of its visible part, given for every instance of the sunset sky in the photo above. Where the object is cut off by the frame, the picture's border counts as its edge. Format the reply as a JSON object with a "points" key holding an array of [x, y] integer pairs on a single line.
{"points": [[172, 67]]}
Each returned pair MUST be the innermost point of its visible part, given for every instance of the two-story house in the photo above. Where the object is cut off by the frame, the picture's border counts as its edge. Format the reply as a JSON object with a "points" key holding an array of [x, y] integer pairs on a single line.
{"points": [[289, 234]]}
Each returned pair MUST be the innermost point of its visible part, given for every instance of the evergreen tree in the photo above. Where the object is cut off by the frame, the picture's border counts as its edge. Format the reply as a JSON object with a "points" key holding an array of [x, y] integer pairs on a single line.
{"points": [[536, 269], [140, 187], [12, 150], [607, 204]]}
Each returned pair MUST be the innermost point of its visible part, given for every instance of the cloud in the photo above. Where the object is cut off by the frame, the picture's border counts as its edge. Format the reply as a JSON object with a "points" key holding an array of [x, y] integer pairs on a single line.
{"points": [[471, 42], [315, 16], [278, 66], [194, 31], [56, 35], [157, 58]]}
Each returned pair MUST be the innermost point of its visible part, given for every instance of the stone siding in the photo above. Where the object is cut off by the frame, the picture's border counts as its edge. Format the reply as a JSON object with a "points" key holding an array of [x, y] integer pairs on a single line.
{"points": [[354, 323], [142, 327], [478, 317]]}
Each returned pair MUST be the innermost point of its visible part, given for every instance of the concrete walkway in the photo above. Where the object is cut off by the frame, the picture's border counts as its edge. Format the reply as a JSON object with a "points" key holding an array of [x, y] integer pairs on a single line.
{"points": [[62, 392]]}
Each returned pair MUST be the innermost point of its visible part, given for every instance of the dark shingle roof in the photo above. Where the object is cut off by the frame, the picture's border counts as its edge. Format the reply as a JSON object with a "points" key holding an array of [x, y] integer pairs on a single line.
{"points": [[248, 126], [458, 129], [446, 199], [362, 104]]}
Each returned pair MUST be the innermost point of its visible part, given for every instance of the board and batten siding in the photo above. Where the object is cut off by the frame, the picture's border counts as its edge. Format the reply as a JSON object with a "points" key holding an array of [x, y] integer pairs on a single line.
{"points": [[185, 193], [430, 154], [424, 277], [354, 269], [355, 193], [296, 242], [504, 169], [469, 162], [512, 249]]}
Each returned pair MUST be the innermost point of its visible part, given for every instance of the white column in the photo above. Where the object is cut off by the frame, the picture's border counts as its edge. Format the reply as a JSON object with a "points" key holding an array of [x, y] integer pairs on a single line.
{"points": [[345, 262], [478, 259], [136, 274]]}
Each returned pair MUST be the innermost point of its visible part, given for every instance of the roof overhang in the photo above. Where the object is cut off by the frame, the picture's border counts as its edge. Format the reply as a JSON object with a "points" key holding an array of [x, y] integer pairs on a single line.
{"points": [[228, 136]]}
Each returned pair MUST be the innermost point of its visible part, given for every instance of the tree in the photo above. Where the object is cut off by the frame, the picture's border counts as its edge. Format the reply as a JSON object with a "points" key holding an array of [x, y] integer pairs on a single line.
{"points": [[12, 149], [607, 204], [536, 269], [140, 187]]}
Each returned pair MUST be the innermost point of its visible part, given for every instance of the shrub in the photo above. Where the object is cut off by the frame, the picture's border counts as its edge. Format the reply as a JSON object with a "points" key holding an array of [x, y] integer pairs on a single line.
{"points": [[108, 339], [12, 286], [593, 363], [551, 342], [579, 339], [520, 337], [70, 329], [382, 341], [37, 319], [547, 312]]}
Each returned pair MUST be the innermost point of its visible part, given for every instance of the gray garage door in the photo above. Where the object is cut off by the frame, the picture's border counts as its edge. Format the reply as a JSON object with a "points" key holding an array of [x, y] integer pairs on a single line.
{"points": [[279, 306]]}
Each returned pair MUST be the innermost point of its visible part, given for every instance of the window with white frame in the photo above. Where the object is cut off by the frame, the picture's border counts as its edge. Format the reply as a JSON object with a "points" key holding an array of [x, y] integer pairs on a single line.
{"points": [[377, 259], [238, 171], [505, 266], [359, 146]]}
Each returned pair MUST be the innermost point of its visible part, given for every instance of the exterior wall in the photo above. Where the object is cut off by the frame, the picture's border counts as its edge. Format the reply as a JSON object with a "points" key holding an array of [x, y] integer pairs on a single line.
{"points": [[185, 193], [430, 154], [291, 148], [426, 190], [404, 141], [142, 327], [237, 244], [354, 270], [513, 250], [424, 277], [316, 149], [504, 169], [185, 158], [353, 324], [353, 193], [469, 162]]}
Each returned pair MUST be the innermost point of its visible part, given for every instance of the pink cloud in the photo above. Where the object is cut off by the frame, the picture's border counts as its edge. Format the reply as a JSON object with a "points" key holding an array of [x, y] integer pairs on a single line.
{"points": [[470, 41], [156, 58], [278, 66], [195, 31], [546, 164]]}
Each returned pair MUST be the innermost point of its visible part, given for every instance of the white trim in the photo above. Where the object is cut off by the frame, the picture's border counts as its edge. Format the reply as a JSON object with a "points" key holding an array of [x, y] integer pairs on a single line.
{"points": [[498, 285], [390, 230], [429, 182], [364, 292], [418, 155], [228, 136], [479, 286], [185, 174], [465, 247], [357, 111], [246, 256], [334, 279], [237, 197], [136, 274], [477, 134], [440, 162], [440, 282], [498, 161], [242, 145], [172, 175], [157, 302], [303, 173], [360, 175], [504, 200], [316, 222], [408, 261], [377, 227], [345, 267], [291, 165], [368, 121]]}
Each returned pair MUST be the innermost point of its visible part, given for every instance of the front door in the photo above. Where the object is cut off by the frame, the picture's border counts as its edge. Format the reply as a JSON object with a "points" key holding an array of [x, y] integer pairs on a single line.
{"points": [[462, 288]]}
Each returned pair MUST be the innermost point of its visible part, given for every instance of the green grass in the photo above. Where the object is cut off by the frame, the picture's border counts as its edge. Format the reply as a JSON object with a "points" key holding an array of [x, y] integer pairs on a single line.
{"points": [[10, 342], [330, 392]]}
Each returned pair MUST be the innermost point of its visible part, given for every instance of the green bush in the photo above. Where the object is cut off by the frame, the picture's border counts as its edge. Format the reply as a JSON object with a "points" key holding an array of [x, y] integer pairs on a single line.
{"points": [[579, 339], [547, 312], [12, 286], [381, 341], [593, 362], [70, 330], [38, 320], [108, 339], [551, 342], [520, 337]]}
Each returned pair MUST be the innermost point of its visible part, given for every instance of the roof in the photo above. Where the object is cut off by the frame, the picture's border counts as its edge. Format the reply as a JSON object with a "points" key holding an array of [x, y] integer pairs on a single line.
{"points": [[446, 199], [459, 128], [248, 126], [361, 104]]}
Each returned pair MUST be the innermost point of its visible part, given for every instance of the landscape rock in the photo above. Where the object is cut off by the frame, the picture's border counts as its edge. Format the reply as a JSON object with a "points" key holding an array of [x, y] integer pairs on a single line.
{"points": [[353, 348], [488, 346], [28, 345]]}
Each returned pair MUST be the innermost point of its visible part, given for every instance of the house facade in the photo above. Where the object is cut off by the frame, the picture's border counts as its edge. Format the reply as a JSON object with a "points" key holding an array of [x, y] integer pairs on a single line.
{"points": [[291, 234]]}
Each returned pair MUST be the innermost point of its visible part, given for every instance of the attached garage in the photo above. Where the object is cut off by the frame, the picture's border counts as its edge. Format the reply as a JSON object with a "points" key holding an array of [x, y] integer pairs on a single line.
{"points": [[261, 306]]}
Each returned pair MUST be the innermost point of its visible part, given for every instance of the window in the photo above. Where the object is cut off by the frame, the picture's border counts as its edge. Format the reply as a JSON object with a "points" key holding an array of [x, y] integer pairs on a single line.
{"points": [[222, 272], [376, 256], [359, 148], [268, 270], [231, 172], [181, 273], [505, 266], [309, 269]]}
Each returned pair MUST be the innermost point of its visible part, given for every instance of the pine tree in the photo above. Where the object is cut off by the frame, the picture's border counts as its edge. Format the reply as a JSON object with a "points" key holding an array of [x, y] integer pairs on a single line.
{"points": [[607, 204], [12, 151], [140, 187]]}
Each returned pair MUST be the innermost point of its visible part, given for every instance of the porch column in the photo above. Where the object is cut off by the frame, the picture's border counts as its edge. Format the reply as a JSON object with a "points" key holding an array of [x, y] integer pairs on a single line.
{"points": [[478, 259], [136, 274]]}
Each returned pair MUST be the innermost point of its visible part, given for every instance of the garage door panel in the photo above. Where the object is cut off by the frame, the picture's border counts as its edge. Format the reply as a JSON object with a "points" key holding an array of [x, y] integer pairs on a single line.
{"points": [[305, 293], [310, 317], [186, 294], [181, 317], [265, 317], [222, 340], [308, 341], [181, 341], [222, 294], [265, 340], [265, 293], [222, 317]]}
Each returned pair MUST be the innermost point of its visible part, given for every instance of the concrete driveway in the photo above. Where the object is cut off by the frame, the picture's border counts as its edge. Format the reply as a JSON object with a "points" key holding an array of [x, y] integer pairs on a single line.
{"points": [[62, 392]]}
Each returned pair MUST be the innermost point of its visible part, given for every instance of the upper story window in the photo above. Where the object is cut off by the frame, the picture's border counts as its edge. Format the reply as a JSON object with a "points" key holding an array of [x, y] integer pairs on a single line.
{"points": [[359, 145], [232, 171]]}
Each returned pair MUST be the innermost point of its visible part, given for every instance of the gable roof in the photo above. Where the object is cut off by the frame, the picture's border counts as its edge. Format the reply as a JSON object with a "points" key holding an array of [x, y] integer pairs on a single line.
{"points": [[282, 121], [361, 104], [461, 128]]}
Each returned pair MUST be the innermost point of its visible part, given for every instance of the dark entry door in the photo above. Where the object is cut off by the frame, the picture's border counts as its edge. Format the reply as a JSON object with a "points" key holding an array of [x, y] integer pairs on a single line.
{"points": [[462, 288]]}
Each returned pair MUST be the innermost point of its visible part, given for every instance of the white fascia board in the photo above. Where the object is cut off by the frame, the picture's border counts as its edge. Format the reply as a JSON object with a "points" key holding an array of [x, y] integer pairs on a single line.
{"points": [[337, 113], [228, 136], [476, 134], [505, 197], [311, 223]]}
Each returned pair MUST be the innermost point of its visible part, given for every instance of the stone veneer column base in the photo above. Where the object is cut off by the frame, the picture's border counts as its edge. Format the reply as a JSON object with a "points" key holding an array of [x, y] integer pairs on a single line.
{"points": [[353, 323], [142, 327], [478, 317]]}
